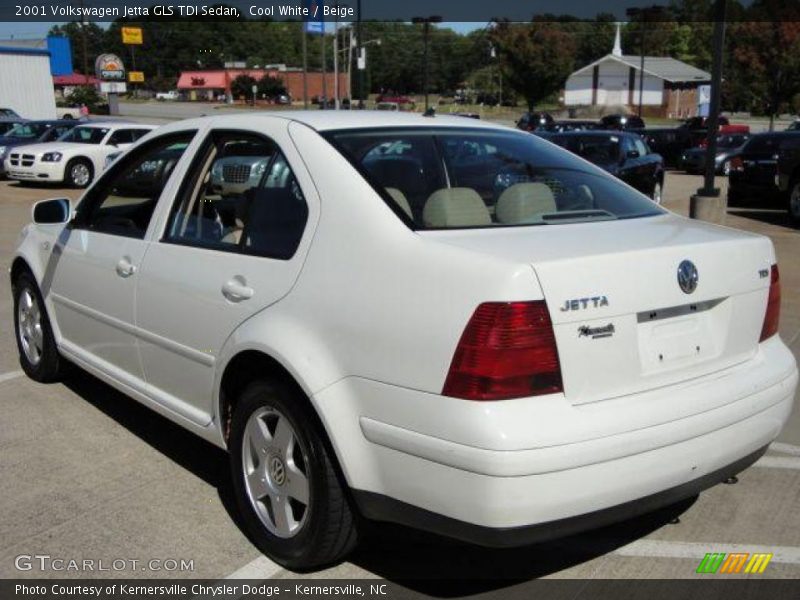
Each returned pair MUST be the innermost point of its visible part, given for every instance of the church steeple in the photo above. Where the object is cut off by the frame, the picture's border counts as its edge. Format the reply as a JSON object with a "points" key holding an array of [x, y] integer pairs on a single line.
{"points": [[617, 51]]}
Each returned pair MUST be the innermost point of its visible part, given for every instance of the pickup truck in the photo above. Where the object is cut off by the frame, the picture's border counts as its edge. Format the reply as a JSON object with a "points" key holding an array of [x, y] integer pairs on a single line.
{"points": [[787, 177], [171, 95]]}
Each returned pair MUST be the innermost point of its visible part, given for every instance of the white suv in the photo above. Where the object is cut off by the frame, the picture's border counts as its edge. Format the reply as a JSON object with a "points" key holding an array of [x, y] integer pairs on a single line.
{"points": [[451, 325]]}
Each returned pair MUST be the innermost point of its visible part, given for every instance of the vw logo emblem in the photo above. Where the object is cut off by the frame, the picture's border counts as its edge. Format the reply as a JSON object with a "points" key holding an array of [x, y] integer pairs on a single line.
{"points": [[276, 471], [687, 276]]}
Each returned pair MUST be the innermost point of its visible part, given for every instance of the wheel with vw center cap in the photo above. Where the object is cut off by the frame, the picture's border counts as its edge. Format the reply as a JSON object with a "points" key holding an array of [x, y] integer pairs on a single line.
{"points": [[287, 487]]}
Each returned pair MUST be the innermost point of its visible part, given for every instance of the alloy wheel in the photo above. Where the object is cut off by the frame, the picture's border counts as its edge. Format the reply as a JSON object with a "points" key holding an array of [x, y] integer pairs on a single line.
{"points": [[80, 174], [275, 469], [29, 327]]}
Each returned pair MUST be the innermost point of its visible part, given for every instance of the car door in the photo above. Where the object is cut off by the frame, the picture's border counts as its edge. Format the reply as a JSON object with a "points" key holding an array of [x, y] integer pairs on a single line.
{"points": [[760, 164], [230, 247], [96, 260]]}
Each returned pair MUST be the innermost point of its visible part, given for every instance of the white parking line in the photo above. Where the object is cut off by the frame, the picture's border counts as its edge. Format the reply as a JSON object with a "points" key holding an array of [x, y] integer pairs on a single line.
{"points": [[11, 375], [779, 462], [697, 550], [782, 448], [260, 568]]}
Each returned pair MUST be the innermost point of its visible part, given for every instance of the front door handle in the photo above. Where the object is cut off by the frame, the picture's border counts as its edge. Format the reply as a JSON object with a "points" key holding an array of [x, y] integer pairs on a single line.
{"points": [[125, 268], [237, 289]]}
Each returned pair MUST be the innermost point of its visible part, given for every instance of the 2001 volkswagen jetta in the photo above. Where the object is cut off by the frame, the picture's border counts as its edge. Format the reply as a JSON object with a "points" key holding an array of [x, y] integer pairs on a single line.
{"points": [[455, 326]]}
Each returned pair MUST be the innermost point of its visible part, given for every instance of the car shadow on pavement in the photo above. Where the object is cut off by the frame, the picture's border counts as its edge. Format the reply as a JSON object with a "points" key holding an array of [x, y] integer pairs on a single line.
{"points": [[770, 217], [417, 560], [444, 568], [199, 457]]}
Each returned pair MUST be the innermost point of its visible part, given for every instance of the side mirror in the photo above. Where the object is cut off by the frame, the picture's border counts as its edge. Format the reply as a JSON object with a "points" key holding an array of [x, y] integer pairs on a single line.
{"points": [[51, 212]]}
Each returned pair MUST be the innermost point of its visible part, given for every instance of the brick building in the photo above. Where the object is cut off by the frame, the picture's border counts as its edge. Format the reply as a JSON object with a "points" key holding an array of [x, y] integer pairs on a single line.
{"points": [[210, 84]]}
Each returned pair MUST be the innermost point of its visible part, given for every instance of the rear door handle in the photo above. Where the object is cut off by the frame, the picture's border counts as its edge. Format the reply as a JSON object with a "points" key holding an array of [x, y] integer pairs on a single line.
{"points": [[125, 268], [237, 289]]}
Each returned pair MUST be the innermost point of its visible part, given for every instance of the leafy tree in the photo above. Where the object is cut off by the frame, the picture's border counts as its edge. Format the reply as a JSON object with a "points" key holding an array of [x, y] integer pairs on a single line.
{"points": [[88, 95], [271, 87], [242, 86], [539, 57]]}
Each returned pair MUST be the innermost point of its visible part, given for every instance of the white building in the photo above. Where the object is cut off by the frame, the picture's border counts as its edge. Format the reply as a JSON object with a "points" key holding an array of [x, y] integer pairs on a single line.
{"points": [[669, 86], [26, 85]]}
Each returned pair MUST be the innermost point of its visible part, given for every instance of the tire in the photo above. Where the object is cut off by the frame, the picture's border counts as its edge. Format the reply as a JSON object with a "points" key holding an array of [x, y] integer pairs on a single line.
{"points": [[276, 446], [658, 190], [79, 173], [66, 116], [794, 204], [38, 352]]}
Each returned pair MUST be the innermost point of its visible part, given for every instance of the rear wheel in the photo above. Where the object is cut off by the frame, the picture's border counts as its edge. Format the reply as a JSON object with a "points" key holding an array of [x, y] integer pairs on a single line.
{"points": [[288, 491], [79, 173], [794, 204], [38, 353], [726, 168]]}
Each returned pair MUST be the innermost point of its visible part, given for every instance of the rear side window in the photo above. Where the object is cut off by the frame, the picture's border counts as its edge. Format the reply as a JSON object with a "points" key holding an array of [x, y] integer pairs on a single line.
{"points": [[452, 178], [241, 197]]}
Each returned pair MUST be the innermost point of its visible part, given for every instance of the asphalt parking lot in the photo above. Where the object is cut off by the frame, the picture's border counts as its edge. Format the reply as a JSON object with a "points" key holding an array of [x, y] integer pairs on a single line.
{"points": [[89, 474]]}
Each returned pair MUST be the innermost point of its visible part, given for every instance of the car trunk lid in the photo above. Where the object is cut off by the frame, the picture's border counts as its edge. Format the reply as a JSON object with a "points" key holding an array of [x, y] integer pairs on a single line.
{"points": [[622, 322]]}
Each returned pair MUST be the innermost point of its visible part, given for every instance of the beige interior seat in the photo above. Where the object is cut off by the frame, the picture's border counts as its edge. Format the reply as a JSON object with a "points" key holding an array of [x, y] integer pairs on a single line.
{"points": [[523, 202], [455, 207], [401, 200]]}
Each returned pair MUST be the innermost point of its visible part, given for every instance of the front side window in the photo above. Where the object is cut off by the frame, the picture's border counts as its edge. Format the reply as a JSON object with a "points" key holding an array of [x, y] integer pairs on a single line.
{"points": [[452, 178], [242, 197], [85, 135], [123, 201]]}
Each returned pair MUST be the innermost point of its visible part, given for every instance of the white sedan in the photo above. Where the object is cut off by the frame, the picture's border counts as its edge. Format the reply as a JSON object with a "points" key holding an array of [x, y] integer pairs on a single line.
{"points": [[447, 324], [75, 158]]}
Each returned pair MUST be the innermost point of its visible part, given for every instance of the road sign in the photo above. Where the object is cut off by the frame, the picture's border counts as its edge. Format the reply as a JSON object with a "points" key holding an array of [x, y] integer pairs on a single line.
{"points": [[132, 35], [113, 87], [136, 76], [314, 23]]}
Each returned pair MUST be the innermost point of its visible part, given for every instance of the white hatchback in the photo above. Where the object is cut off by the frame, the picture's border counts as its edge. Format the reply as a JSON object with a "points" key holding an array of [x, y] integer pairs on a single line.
{"points": [[442, 323]]}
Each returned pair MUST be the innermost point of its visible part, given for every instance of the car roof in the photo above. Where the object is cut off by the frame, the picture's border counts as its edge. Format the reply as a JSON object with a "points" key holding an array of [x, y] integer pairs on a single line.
{"points": [[115, 124], [596, 133], [332, 120]]}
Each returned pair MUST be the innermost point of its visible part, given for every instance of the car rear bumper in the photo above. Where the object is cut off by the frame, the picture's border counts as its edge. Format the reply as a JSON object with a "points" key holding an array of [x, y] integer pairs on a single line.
{"points": [[459, 463]]}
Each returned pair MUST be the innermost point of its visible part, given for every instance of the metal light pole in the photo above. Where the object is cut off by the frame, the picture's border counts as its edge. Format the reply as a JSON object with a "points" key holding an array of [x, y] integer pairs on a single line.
{"points": [[426, 28], [708, 188], [359, 50], [644, 14]]}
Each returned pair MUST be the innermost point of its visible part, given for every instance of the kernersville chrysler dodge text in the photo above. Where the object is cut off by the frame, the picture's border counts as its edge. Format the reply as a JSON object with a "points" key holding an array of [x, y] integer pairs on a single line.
{"points": [[452, 325]]}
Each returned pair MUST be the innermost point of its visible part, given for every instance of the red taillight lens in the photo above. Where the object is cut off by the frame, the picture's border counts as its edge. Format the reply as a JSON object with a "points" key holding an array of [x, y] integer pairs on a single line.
{"points": [[737, 164], [508, 350], [773, 314]]}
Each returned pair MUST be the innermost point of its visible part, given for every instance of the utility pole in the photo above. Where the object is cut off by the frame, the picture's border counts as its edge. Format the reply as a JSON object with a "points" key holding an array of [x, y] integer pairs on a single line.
{"points": [[716, 83], [305, 65], [336, 64], [426, 28], [643, 14], [85, 46], [359, 51], [324, 70]]}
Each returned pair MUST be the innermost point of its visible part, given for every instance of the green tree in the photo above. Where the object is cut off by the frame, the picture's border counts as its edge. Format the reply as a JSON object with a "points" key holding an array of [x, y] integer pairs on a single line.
{"points": [[270, 87], [539, 56], [242, 86]]}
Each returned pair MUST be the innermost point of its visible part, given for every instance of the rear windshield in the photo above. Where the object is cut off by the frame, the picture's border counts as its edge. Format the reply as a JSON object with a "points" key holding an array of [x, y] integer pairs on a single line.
{"points": [[455, 178]]}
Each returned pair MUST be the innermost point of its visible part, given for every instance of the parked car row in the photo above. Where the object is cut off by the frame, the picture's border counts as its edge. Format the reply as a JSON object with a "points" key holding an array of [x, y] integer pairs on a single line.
{"points": [[67, 152]]}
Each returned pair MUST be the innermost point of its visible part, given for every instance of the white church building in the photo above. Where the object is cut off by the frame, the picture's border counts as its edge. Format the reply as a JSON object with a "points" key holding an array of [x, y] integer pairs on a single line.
{"points": [[670, 87]]}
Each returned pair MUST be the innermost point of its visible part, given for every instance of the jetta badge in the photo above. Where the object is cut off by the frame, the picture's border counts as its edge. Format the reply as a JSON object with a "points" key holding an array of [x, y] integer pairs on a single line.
{"points": [[687, 276]]}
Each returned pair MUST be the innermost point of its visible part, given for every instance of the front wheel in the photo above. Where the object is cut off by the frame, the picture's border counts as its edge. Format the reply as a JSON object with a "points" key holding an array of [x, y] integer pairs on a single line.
{"points": [[287, 488], [657, 192], [794, 204], [79, 173], [38, 353]]}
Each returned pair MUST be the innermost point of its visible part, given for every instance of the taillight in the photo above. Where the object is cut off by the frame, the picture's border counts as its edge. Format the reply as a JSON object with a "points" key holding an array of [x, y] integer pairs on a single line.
{"points": [[773, 314], [737, 164], [508, 350]]}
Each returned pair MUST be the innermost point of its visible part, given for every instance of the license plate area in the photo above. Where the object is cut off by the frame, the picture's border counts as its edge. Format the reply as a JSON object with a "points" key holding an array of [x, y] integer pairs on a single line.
{"points": [[679, 336]]}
